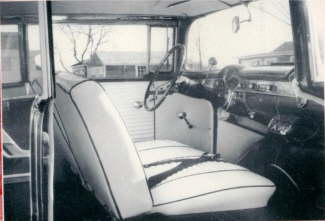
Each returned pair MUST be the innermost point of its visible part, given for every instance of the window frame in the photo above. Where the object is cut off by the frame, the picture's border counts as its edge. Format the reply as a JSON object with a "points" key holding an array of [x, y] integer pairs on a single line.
{"points": [[23, 22], [300, 16], [314, 47], [22, 49]]}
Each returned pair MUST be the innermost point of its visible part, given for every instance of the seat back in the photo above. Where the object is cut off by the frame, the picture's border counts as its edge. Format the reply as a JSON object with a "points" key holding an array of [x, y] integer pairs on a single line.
{"points": [[101, 146]]}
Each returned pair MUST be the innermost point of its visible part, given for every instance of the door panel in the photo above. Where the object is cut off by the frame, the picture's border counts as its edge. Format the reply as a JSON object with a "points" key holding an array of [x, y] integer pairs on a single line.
{"points": [[28, 177], [16, 119], [164, 122], [199, 113], [16, 179]]}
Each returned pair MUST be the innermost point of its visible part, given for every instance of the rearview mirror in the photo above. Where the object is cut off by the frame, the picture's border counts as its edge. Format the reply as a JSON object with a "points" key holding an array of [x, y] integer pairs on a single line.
{"points": [[236, 20]]}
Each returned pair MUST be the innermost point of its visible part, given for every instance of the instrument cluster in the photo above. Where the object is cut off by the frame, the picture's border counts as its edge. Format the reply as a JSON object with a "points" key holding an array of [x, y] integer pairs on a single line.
{"points": [[266, 87]]}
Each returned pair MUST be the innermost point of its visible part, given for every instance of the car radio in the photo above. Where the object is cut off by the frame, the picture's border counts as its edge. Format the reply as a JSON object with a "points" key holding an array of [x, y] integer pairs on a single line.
{"points": [[282, 124]]}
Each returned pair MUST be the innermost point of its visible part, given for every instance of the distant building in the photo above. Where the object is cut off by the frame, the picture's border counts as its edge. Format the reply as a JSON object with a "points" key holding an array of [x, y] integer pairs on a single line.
{"points": [[116, 65], [281, 55]]}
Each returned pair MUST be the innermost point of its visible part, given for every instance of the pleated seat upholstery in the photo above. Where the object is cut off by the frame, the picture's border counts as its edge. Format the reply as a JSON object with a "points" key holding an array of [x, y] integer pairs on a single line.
{"points": [[202, 188], [118, 171]]}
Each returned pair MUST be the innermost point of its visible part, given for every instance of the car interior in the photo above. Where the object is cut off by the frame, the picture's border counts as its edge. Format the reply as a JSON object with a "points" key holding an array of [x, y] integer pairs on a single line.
{"points": [[149, 125]]}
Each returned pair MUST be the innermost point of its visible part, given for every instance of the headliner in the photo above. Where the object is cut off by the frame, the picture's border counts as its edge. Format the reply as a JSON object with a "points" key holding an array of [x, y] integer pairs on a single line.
{"points": [[164, 8]]}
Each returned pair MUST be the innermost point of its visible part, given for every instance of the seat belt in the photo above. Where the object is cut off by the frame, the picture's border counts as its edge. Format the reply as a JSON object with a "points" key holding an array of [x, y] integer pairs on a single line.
{"points": [[184, 163]]}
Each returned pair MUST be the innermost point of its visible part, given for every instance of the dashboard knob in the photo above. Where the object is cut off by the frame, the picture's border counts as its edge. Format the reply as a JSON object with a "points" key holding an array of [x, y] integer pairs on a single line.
{"points": [[251, 86], [268, 88], [242, 85], [251, 115]]}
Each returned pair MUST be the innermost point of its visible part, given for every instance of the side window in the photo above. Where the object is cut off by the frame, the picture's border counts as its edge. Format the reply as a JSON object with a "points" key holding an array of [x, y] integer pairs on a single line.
{"points": [[162, 40], [111, 51], [101, 51], [10, 54], [34, 59], [20, 60]]}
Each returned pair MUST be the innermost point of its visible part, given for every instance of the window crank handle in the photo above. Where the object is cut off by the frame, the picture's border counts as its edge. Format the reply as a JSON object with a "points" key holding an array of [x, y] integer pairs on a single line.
{"points": [[183, 116], [138, 104]]}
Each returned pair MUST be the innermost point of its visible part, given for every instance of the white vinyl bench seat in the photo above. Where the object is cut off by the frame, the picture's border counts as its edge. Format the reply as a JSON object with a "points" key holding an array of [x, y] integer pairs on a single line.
{"points": [[117, 171]]}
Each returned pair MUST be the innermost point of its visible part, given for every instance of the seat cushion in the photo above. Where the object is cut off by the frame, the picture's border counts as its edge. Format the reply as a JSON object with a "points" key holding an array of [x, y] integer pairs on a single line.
{"points": [[158, 150], [210, 186]]}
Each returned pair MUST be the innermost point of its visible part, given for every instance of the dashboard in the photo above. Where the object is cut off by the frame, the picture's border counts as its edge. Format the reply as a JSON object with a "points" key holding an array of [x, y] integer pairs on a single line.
{"points": [[263, 94], [260, 90], [263, 81]]}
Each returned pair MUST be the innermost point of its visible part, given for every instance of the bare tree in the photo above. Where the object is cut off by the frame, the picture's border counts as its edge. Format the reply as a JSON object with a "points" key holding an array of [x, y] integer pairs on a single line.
{"points": [[61, 59], [92, 39]]}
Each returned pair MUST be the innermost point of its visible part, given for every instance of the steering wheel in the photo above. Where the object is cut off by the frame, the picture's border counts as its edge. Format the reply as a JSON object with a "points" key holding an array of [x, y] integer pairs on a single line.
{"points": [[157, 91], [231, 79]]}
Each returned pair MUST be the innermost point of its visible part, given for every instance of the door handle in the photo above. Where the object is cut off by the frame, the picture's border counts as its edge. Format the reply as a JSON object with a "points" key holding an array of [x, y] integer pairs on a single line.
{"points": [[138, 104]]}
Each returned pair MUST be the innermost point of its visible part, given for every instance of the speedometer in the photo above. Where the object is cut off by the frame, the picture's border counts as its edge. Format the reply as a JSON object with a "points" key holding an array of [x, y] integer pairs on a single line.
{"points": [[232, 78]]}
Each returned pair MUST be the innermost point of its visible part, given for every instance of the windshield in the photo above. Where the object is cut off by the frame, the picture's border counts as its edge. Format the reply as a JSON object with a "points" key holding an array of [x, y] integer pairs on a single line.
{"points": [[263, 38], [111, 51], [317, 60]]}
